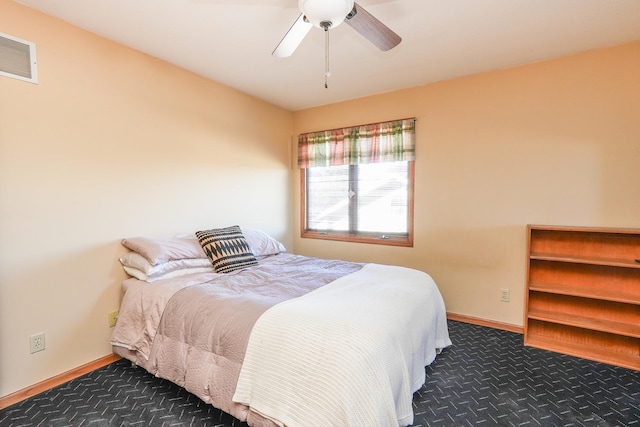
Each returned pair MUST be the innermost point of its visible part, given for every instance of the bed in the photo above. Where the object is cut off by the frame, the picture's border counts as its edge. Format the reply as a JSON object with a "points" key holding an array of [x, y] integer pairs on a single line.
{"points": [[274, 338]]}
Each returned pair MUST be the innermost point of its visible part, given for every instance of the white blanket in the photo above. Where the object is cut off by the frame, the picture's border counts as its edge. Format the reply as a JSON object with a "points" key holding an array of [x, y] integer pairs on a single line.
{"points": [[351, 353]]}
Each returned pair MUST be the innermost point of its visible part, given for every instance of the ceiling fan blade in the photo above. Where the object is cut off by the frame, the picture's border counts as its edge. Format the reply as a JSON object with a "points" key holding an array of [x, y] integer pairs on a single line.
{"points": [[293, 38], [372, 29]]}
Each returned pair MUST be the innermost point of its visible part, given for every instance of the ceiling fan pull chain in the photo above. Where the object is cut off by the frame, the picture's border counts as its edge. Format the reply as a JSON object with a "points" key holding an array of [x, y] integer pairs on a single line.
{"points": [[327, 72]]}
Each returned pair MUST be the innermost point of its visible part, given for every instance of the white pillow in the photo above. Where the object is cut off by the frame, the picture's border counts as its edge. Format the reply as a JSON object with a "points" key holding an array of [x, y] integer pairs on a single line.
{"points": [[137, 261], [261, 243], [140, 275], [162, 249]]}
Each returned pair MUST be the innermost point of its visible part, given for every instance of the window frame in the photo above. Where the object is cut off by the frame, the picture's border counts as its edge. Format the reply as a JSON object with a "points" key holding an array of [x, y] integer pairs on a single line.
{"points": [[389, 239]]}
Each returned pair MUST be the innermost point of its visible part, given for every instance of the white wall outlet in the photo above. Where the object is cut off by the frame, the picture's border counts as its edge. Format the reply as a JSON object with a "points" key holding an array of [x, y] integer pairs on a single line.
{"points": [[36, 342], [504, 295]]}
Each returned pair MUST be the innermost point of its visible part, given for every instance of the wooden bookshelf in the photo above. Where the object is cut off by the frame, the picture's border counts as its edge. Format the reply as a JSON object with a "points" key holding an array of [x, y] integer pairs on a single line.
{"points": [[583, 293]]}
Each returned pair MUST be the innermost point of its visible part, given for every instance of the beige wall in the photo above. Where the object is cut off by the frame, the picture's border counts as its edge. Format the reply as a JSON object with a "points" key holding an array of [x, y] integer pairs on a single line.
{"points": [[111, 144], [556, 142]]}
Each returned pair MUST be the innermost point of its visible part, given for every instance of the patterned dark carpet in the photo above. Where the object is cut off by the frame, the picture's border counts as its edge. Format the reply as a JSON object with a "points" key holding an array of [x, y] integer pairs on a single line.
{"points": [[486, 378]]}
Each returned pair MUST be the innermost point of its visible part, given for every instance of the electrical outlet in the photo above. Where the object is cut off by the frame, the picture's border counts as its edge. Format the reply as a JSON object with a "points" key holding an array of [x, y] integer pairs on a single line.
{"points": [[36, 342], [504, 295], [112, 318]]}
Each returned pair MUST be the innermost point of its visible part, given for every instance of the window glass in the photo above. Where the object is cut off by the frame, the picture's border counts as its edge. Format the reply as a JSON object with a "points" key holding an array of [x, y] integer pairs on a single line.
{"points": [[383, 197], [328, 198]]}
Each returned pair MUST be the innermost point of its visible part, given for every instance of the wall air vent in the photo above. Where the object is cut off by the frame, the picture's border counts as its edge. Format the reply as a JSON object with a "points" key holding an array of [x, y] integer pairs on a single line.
{"points": [[18, 59]]}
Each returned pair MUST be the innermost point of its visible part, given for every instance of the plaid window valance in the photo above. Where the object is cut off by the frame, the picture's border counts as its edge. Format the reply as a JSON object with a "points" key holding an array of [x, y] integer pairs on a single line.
{"points": [[373, 143]]}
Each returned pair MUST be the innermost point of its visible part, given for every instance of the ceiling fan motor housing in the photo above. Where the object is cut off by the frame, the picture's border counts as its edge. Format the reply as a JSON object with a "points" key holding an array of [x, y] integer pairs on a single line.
{"points": [[319, 12]]}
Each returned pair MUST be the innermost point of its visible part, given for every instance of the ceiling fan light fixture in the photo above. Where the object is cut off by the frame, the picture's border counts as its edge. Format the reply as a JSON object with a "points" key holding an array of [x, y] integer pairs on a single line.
{"points": [[319, 12]]}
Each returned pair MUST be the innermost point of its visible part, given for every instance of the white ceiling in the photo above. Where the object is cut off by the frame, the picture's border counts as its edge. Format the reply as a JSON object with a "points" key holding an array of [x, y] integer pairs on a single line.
{"points": [[230, 41]]}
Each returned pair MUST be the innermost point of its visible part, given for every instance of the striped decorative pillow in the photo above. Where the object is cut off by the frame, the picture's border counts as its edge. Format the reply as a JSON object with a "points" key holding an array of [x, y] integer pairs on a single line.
{"points": [[227, 249]]}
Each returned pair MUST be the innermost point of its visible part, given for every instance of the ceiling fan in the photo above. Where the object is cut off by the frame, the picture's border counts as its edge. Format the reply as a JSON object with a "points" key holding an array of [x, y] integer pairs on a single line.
{"points": [[326, 14]]}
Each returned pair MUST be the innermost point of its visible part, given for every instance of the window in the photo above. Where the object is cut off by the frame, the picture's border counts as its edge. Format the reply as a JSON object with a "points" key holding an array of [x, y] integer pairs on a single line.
{"points": [[369, 199]]}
